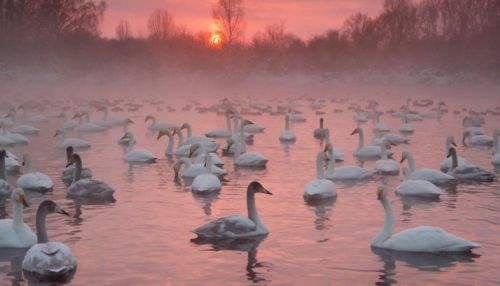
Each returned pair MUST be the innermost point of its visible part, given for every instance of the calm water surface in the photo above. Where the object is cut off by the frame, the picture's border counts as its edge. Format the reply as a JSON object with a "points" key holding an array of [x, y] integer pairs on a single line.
{"points": [[144, 237]]}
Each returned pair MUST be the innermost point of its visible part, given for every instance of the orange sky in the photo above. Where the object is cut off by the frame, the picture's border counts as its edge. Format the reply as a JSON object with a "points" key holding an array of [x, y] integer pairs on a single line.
{"points": [[302, 17]]}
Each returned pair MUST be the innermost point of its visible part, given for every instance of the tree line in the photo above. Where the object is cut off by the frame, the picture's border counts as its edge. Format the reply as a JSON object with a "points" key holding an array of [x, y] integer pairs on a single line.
{"points": [[448, 35]]}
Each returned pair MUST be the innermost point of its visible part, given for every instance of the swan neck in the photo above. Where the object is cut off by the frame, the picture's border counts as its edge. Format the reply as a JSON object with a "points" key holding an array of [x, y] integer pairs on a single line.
{"points": [[170, 146], [236, 122], [189, 131], [327, 136], [361, 142], [17, 212], [320, 173], [228, 123], [181, 138], [41, 231], [208, 163], [237, 151], [3, 175], [454, 160], [383, 149], [411, 163], [331, 162], [388, 228], [287, 123], [447, 146], [252, 208], [78, 171]]}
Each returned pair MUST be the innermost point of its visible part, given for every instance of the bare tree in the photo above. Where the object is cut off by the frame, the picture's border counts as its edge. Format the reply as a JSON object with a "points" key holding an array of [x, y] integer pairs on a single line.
{"points": [[228, 16], [361, 30], [161, 25], [123, 30]]}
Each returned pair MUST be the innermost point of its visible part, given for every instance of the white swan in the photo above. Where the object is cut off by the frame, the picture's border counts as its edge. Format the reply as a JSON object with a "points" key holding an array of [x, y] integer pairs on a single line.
{"points": [[320, 188], [4, 185], [88, 188], [124, 140], [157, 126], [14, 233], [67, 124], [25, 129], [222, 133], [344, 172], [208, 144], [432, 175], [12, 164], [251, 127], [287, 135], [365, 152], [73, 142], [418, 188], [446, 163], [406, 127], [69, 172], [468, 172], [320, 132], [46, 261], [237, 226], [386, 166], [248, 159], [418, 239], [207, 182], [170, 146], [87, 126], [33, 181], [339, 155], [477, 140], [138, 155], [191, 170]]}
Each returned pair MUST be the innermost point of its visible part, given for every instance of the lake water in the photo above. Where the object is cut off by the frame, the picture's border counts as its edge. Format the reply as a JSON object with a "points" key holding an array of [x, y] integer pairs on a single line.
{"points": [[144, 237]]}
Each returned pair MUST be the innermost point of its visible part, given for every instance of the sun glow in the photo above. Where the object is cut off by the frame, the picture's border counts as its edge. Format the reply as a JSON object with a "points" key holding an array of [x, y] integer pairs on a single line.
{"points": [[215, 39]]}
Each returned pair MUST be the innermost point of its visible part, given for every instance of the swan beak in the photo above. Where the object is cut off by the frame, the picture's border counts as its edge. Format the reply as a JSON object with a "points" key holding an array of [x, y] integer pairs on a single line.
{"points": [[75, 116], [265, 191], [22, 200], [61, 211], [463, 140], [380, 193], [160, 134], [402, 160], [57, 133], [354, 132]]}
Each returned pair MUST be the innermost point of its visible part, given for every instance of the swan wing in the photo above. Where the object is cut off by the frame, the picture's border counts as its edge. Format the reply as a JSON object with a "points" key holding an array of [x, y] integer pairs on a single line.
{"points": [[231, 227], [49, 258], [428, 239]]}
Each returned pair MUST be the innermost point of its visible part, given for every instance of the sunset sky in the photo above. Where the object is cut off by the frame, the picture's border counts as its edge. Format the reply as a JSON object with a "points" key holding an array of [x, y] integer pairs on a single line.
{"points": [[302, 17]]}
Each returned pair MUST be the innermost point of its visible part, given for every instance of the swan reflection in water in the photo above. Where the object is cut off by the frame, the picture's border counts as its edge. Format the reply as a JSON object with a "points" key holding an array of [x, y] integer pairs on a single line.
{"points": [[206, 201], [433, 262], [323, 211], [245, 245]]}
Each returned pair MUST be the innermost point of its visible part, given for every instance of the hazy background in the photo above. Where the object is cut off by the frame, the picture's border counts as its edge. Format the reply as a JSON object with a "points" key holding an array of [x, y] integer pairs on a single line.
{"points": [[438, 42]]}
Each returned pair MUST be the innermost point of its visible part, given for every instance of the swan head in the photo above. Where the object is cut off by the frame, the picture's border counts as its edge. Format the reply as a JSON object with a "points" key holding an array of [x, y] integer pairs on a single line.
{"points": [[380, 193], [69, 152], [327, 151], [230, 142], [149, 117], [405, 155], [77, 115], [128, 121], [74, 159], [185, 126], [193, 149], [451, 141], [356, 131], [256, 187], [51, 207], [451, 152], [3, 154], [59, 132], [162, 133], [19, 197], [246, 122]]}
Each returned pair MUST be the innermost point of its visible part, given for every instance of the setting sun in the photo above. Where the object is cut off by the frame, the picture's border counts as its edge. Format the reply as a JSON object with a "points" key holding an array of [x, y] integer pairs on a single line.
{"points": [[215, 39]]}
